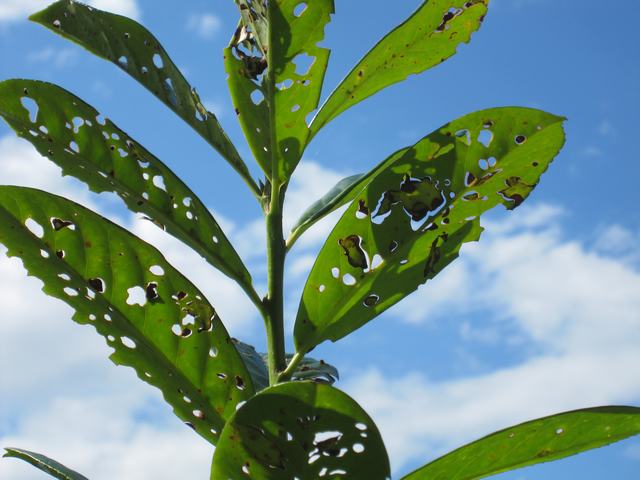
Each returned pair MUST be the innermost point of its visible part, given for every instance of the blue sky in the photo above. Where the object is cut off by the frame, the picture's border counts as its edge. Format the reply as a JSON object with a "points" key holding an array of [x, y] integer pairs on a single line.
{"points": [[542, 315]]}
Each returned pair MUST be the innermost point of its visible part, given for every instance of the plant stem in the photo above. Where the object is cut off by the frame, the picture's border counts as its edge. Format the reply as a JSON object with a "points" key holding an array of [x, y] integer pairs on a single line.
{"points": [[276, 252], [288, 372]]}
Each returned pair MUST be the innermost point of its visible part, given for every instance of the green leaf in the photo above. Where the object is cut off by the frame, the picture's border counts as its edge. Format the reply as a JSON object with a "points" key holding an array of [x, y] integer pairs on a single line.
{"points": [[418, 208], [155, 320], [74, 136], [272, 84], [46, 464], [255, 364], [429, 37], [316, 370], [542, 440], [135, 50], [300, 430], [342, 192]]}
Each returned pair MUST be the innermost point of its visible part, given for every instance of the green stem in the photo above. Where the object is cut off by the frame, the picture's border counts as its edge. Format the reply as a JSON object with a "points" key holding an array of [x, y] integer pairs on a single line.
{"points": [[293, 364], [274, 303]]}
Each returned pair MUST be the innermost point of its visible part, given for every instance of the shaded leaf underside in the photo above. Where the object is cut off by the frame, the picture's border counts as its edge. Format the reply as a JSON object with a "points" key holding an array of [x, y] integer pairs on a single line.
{"points": [[276, 76], [73, 135], [153, 318], [542, 440], [135, 50], [418, 208], [300, 430]]}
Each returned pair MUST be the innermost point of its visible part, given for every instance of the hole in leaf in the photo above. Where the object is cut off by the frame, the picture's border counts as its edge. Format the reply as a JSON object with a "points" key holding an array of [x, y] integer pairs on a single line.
{"points": [[123, 62], [157, 270], [31, 106], [34, 227], [97, 284], [127, 342], [299, 9], [303, 63], [157, 60], [136, 296], [349, 279], [485, 137]]}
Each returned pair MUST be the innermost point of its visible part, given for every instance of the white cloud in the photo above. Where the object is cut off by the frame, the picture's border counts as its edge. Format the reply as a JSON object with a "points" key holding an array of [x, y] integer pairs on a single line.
{"points": [[576, 308], [18, 10], [59, 58], [205, 25]]}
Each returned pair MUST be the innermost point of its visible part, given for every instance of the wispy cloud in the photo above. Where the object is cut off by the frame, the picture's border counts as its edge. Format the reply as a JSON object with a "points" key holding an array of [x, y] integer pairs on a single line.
{"points": [[58, 58], [205, 25]]}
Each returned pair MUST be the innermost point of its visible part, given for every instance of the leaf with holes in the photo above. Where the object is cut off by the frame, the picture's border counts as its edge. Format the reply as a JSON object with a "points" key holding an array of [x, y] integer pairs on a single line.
{"points": [[133, 48], [543, 440], [276, 70], [155, 320], [316, 370], [255, 363], [73, 135], [300, 430], [429, 37], [46, 464], [418, 208], [342, 193]]}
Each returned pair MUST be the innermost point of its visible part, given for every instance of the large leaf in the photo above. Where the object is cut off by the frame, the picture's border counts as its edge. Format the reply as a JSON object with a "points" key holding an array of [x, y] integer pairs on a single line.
{"points": [[155, 320], [341, 193], [538, 441], [46, 464], [419, 207], [427, 38], [300, 430], [74, 135], [133, 48], [276, 70]]}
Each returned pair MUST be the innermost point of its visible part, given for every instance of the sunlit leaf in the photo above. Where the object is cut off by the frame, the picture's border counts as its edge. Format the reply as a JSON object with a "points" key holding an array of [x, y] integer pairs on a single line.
{"points": [[341, 193], [300, 430], [135, 50], [276, 70], [427, 38], [418, 208], [46, 464], [153, 318], [73, 135], [542, 440]]}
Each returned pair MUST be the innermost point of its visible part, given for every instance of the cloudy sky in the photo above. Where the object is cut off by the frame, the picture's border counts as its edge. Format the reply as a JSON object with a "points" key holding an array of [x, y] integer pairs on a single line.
{"points": [[541, 316]]}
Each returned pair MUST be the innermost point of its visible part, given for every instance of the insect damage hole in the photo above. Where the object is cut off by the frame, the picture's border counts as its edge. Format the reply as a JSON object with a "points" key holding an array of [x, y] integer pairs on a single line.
{"points": [[34, 227], [303, 63], [136, 296], [30, 106], [299, 9], [485, 137], [127, 342], [157, 61]]}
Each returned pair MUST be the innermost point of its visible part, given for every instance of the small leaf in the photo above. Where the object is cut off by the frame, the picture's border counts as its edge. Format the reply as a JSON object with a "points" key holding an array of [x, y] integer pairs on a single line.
{"points": [[74, 136], [46, 464], [300, 430], [543, 440], [135, 50], [255, 364], [276, 70], [153, 318], [340, 194], [417, 210], [429, 37], [316, 370]]}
